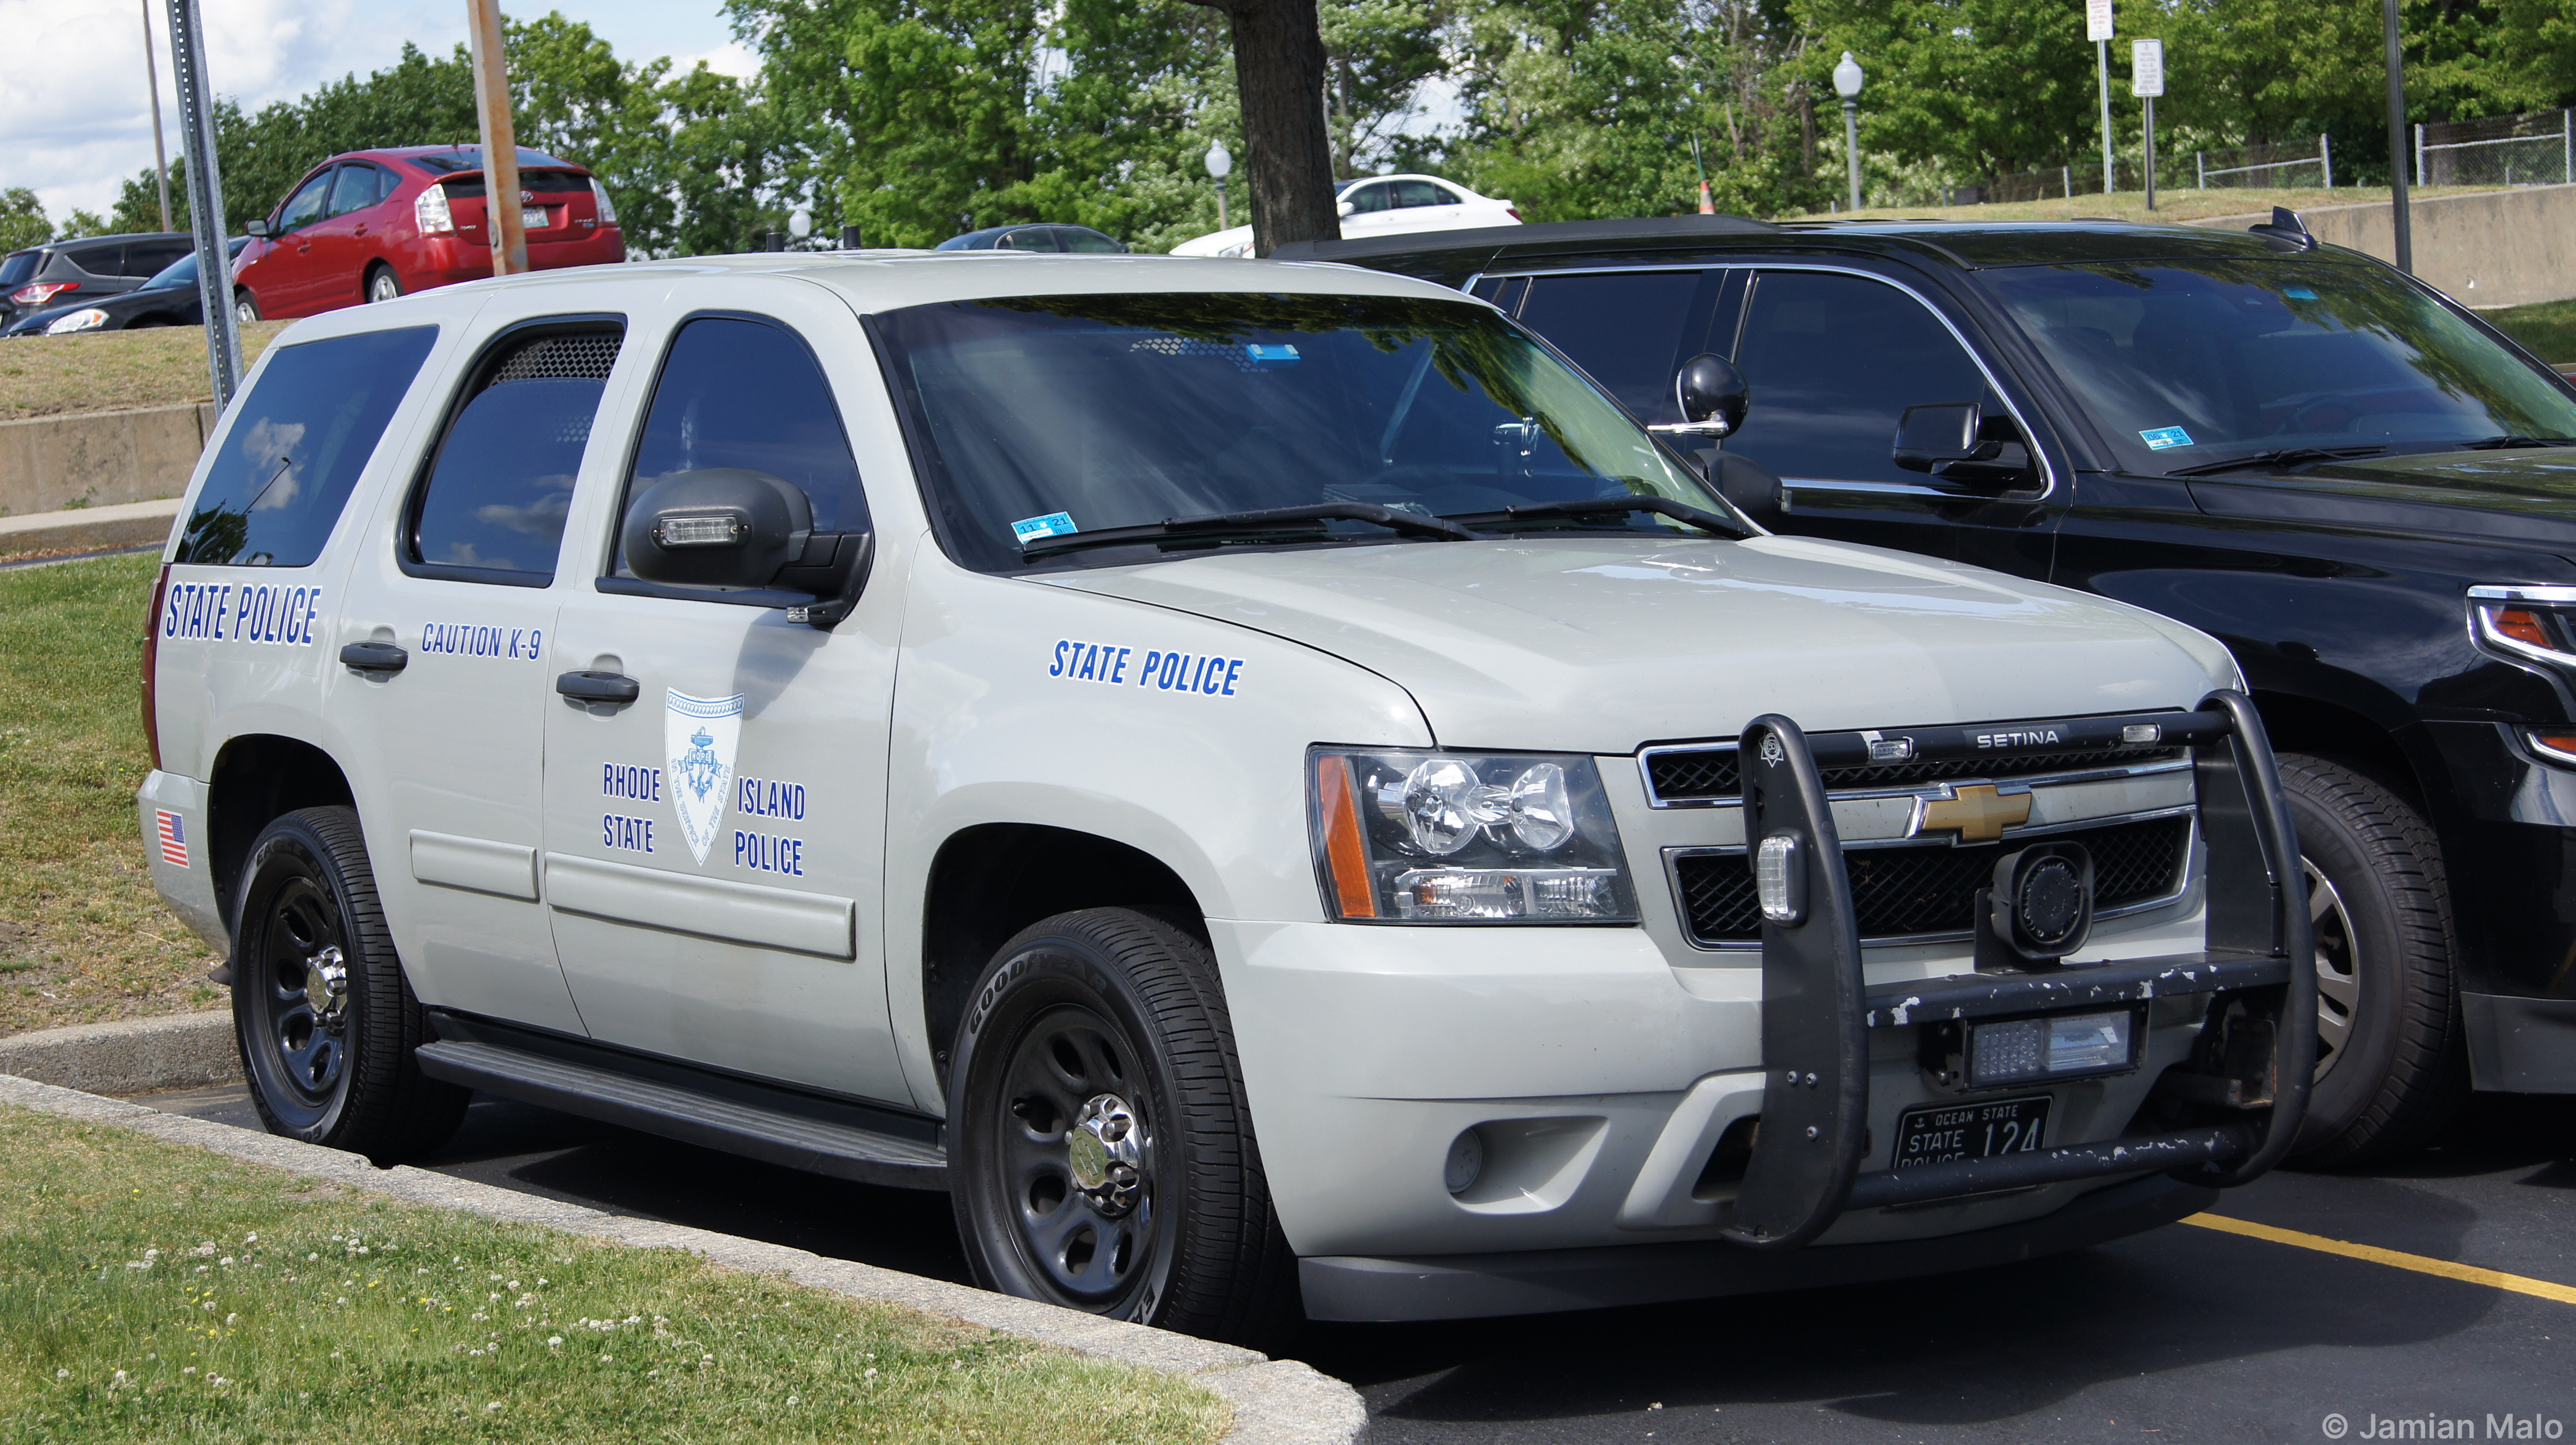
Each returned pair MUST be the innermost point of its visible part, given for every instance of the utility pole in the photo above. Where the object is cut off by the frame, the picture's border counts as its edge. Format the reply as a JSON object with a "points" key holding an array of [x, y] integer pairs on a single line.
{"points": [[2097, 28], [2397, 137], [502, 220], [152, 85], [205, 198]]}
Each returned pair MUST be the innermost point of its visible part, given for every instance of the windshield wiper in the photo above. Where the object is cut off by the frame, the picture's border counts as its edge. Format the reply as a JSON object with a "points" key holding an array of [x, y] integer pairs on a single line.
{"points": [[2509, 443], [1580, 507], [2285, 457], [1272, 524]]}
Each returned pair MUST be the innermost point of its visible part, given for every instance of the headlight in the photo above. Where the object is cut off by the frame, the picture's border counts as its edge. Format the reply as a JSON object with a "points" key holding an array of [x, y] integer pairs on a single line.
{"points": [[88, 318], [607, 208], [1423, 837], [429, 212]]}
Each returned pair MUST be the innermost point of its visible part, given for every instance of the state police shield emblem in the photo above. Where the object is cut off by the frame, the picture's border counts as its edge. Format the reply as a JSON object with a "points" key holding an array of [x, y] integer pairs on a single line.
{"points": [[699, 735]]}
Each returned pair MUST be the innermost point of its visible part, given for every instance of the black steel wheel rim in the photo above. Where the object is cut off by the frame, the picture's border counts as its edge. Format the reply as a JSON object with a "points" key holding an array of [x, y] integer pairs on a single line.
{"points": [[305, 1029], [1091, 1248]]}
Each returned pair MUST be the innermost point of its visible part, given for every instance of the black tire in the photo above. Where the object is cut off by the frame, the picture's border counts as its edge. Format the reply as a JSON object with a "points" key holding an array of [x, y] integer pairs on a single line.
{"points": [[245, 305], [336, 1072], [1109, 1003], [380, 284], [2392, 1064]]}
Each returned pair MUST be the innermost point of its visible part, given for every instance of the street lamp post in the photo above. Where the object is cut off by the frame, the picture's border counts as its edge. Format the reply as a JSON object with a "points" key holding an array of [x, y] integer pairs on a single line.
{"points": [[1220, 164], [1847, 78]]}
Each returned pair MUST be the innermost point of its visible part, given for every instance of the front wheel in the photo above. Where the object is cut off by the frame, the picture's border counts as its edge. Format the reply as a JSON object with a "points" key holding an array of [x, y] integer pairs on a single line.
{"points": [[1102, 1157], [325, 1020], [2392, 1064]]}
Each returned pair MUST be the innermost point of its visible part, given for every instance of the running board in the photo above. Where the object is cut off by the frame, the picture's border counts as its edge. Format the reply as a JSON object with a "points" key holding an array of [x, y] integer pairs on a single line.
{"points": [[782, 1129]]}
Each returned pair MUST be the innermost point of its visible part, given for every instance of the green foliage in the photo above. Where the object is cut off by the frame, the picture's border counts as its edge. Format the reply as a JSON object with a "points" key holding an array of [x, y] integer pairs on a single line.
{"points": [[84, 223], [22, 220], [138, 200]]}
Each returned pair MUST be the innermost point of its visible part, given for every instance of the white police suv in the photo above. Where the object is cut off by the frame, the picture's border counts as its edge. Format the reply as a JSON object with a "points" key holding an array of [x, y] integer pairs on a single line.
{"points": [[1258, 779]]}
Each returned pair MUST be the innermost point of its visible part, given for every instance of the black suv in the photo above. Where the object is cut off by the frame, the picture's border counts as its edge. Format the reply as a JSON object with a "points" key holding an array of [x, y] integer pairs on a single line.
{"points": [[59, 273], [2368, 493]]}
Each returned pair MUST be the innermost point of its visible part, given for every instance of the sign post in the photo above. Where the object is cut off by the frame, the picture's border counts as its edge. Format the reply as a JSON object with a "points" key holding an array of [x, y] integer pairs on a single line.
{"points": [[2147, 80], [503, 220], [205, 198], [2097, 28]]}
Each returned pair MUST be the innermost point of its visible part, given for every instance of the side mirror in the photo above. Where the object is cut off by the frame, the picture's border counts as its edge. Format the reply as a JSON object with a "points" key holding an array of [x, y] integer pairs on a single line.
{"points": [[1713, 396], [1344, 209], [1932, 438], [733, 527], [256, 226]]}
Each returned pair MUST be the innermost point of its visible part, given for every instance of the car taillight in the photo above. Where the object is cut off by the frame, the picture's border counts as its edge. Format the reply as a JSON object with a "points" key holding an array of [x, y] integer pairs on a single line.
{"points": [[1512, 211], [41, 292], [607, 208], [151, 661], [430, 214]]}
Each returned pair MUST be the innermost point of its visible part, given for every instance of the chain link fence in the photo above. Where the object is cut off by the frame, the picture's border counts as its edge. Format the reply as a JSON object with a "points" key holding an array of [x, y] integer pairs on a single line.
{"points": [[2534, 149]]}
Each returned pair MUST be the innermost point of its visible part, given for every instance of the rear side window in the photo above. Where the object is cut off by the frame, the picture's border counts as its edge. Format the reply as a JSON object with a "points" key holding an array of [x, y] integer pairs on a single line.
{"points": [[741, 393], [353, 189], [1625, 328], [493, 504], [148, 258], [295, 448]]}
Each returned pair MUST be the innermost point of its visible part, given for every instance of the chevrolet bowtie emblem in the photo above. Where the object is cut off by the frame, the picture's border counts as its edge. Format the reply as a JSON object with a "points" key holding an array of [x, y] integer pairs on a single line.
{"points": [[1976, 812]]}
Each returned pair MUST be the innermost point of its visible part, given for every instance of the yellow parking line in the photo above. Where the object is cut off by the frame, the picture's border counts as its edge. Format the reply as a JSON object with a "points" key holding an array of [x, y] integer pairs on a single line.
{"points": [[2495, 1279]]}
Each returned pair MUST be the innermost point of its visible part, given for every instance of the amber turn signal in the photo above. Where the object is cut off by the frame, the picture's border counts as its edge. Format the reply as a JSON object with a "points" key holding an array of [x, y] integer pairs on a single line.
{"points": [[2522, 626]]}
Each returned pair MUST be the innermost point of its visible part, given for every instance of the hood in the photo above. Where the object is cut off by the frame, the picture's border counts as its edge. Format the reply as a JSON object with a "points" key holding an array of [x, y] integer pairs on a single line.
{"points": [[2526, 496], [1601, 645]]}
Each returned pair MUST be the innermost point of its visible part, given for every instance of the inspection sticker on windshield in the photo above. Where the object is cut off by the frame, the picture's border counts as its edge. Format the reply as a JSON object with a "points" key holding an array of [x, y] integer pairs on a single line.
{"points": [[1269, 357], [1053, 524], [2159, 438]]}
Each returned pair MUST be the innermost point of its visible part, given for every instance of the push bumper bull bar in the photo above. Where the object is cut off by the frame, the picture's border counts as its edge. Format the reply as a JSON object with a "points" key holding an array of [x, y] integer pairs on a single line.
{"points": [[2245, 1088]]}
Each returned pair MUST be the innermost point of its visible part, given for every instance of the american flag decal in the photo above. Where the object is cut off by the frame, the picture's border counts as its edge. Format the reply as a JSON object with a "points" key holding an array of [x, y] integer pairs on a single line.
{"points": [[174, 839]]}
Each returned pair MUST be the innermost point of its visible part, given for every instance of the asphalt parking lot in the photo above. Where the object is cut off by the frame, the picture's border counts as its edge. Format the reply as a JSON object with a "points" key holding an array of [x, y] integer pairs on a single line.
{"points": [[2189, 1333]]}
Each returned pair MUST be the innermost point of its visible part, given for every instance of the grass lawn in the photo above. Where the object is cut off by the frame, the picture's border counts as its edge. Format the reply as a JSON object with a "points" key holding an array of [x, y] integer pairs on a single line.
{"points": [[113, 370], [2548, 328], [158, 1292], [83, 937], [2171, 206]]}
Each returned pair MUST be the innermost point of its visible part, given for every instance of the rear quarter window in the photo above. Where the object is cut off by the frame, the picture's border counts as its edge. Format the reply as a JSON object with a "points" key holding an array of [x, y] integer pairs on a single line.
{"points": [[19, 267], [294, 450]]}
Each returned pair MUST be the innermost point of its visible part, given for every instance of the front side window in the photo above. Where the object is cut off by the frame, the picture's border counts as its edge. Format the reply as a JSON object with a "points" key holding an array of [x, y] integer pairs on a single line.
{"points": [[305, 206], [741, 393], [493, 505], [1623, 327], [297, 442], [1049, 415], [1833, 361], [1375, 196], [2187, 364]]}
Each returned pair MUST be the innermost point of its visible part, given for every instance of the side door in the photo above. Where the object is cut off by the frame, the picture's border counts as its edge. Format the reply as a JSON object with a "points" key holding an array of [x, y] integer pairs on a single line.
{"points": [[1833, 359], [714, 848], [284, 282], [1428, 205], [335, 257], [459, 616]]}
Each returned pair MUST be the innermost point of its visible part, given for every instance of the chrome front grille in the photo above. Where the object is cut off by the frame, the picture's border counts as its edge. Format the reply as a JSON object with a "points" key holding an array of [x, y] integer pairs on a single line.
{"points": [[1926, 892]]}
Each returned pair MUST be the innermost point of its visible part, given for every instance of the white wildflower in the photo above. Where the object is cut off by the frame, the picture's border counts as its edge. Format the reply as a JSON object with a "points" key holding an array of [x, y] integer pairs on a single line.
{"points": [[554, 1339], [230, 1319], [62, 1374]]}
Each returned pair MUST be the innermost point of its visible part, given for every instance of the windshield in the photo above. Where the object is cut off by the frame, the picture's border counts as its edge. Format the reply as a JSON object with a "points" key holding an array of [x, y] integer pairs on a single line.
{"points": [[1045, 416], [2191, 363], [183, 272]]}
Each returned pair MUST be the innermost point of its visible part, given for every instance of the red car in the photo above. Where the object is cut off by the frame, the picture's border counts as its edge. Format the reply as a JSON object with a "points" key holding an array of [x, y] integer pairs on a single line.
{"points": [[373, 225]]}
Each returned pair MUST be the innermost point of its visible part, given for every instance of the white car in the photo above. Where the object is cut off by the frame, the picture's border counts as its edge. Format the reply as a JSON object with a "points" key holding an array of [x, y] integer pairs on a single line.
{"points": [[1258, 778], [1382, 206]]}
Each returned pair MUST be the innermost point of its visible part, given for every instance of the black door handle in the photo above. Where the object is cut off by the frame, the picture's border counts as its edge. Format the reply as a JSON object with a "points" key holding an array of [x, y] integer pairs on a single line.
{"points": [[614, 687], [381, 657]]}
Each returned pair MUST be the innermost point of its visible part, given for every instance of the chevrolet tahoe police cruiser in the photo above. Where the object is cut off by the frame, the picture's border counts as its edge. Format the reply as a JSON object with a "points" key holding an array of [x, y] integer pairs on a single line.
{"points": [[1258, 780]]}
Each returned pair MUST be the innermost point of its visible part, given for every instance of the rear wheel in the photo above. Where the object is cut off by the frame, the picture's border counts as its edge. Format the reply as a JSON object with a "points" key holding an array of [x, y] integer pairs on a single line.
{"points": [[245, 306], [2392, 1066], [325, 1021], [1103, 1158], [382, 283]]}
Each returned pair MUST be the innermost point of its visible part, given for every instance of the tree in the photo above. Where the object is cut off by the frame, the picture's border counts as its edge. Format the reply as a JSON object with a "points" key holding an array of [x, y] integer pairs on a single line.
{"points": [[84, 223], [1377, 54], [1577, 108], [1279, 76], [22, 220]]}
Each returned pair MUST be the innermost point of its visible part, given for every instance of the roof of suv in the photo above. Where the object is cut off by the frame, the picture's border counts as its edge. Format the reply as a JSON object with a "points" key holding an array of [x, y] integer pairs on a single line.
{"points": [[1970, 245]]}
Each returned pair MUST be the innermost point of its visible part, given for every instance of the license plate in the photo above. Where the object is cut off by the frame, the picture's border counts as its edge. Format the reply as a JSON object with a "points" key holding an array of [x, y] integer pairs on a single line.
{"points": [[1945, 1133], [532, 218]]}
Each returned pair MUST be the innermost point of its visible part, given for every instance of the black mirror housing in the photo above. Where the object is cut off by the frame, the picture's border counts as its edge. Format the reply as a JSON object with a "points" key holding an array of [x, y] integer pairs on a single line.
{"points": [[1711, 391], [734, 527], [1931, 438]]}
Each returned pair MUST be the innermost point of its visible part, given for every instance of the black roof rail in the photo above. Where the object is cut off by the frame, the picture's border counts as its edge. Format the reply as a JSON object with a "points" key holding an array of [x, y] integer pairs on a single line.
{"points": [[1538, 235]]}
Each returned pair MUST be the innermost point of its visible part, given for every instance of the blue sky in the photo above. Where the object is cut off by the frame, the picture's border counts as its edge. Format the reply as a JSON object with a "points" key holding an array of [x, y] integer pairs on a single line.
{"points": [[78, 117]]}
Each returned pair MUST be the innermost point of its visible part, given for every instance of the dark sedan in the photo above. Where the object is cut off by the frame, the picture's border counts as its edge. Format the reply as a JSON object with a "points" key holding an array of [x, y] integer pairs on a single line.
{"points": [[169, 298]]}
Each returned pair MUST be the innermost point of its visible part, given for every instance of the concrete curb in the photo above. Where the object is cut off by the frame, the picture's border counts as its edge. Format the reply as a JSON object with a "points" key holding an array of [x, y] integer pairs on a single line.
{"points": [[1275, 1402], [131, 1056], [91, 529]]}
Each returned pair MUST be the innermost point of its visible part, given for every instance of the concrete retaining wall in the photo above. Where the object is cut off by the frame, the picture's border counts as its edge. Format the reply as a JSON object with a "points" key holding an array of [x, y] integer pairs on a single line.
{"points": [[100, 458], [2495, 248]]}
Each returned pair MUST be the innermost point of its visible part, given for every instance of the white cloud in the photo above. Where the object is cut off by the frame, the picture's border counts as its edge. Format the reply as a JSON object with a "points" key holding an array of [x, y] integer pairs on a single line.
{"points": [[731, 58], [79, 120]]}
